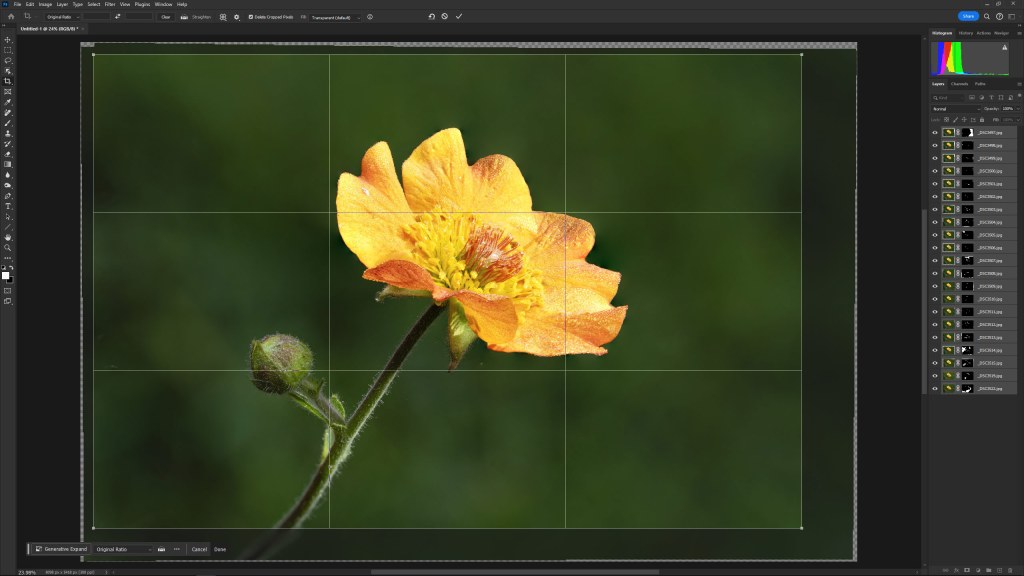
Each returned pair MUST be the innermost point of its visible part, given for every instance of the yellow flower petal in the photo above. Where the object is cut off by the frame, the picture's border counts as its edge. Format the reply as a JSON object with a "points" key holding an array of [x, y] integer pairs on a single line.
{"points": [[545, 333], [593, 329], [372, 209], [492, 317], [586, 288], [551, 239], [404, 274], [541, 333], [438, 176], [558, 249], [543, 240], [499, 186]]}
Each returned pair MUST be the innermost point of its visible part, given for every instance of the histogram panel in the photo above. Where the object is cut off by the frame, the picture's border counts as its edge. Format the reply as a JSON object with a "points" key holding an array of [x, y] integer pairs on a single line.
{"points": [[970, 59]]}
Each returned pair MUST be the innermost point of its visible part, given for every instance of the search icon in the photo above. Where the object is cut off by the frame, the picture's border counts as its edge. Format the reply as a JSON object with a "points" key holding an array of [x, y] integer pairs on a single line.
{"points": [[986, 16]]}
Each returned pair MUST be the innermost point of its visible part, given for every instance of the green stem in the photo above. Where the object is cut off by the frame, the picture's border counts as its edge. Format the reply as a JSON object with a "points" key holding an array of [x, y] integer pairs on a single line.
{"points": [[373, 396], [345, 437]]}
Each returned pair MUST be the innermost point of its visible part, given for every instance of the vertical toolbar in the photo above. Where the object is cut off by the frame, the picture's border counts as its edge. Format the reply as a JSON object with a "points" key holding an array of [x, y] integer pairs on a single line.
{"points": [[8, 353], [8, 181]]}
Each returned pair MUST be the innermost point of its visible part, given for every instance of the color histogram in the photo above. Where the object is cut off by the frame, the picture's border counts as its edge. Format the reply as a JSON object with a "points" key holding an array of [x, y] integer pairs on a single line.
{"points": [[970, 59]]}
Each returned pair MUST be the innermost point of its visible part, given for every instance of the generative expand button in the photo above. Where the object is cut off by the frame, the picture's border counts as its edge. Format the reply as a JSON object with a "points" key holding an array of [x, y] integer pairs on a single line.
{"points": [[59, 548]]}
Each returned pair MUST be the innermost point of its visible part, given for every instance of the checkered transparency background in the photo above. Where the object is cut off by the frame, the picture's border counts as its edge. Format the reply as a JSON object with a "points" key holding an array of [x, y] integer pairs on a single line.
{"points": [[214, 224]]}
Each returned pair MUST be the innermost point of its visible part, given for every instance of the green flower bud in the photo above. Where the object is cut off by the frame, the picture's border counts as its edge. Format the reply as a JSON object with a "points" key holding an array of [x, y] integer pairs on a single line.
{"points": [[460, 335], [279, 363]]}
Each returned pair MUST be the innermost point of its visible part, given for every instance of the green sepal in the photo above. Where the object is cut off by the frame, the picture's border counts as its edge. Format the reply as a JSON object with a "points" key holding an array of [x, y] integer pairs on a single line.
{"points": [[460, 335], [328, 440], [304, 402], [340, 408], [390, 291]]}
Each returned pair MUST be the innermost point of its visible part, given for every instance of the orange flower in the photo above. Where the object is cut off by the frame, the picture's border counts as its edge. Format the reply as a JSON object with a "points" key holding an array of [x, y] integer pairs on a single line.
{"points": [[467, 235]]}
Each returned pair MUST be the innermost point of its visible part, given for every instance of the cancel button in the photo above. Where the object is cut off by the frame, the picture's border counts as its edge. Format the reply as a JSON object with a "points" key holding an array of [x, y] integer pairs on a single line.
{"points": [[198, 549]]}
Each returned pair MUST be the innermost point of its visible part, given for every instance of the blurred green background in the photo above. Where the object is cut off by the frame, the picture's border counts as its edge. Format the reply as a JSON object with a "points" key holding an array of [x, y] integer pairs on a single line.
{"points": [[209, 133], [683, 132], [669, 450], [642, 437]]}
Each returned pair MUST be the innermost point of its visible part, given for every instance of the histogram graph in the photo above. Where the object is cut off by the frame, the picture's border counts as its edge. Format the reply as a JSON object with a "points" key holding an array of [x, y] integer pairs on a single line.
{"points": [[970, 59]]}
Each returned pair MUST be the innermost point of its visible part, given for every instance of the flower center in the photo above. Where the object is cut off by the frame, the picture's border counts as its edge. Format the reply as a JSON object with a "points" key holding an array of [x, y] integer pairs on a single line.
{"points": [[463, 254]]}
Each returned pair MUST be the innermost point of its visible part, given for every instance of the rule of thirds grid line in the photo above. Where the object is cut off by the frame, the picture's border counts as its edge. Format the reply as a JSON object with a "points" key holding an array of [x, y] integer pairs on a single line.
{"points": [[446, 528], [93, 296], [455, 54], [330, 174], [565, 293], [469, 370], [655, 212], [801, 290], [856, 256]]}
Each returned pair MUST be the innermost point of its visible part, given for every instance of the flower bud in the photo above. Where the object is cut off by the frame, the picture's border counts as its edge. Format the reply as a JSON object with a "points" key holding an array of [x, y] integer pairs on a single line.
{"points": [[279, 363]]}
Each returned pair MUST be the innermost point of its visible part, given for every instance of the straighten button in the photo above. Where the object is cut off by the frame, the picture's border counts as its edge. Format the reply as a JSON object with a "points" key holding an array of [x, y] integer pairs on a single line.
{"points": [[170, 549], [198, 548]]}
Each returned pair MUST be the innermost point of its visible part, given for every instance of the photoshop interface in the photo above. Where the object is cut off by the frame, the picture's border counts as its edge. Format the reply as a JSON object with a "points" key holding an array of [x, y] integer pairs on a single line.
{"points": [[323, 288]]}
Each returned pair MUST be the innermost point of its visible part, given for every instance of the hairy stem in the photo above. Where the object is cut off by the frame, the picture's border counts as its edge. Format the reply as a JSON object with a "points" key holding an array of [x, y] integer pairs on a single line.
{"points": [[380, 385], [344, 438]]}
